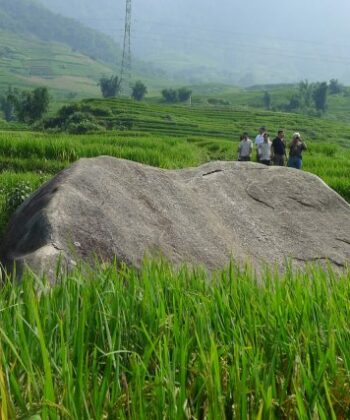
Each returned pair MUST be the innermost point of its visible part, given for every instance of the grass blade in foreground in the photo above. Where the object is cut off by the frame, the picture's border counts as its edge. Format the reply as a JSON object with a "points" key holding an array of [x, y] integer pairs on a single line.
{"points": [[110, 342]]}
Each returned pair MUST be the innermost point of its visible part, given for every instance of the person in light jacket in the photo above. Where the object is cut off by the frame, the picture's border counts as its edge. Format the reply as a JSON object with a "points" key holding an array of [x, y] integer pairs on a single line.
{"points": [[264, 150], [245, 148]]}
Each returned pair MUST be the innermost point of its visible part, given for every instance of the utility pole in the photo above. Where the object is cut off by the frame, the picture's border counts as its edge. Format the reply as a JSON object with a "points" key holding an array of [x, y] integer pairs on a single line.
{"points": [[125, 72]]}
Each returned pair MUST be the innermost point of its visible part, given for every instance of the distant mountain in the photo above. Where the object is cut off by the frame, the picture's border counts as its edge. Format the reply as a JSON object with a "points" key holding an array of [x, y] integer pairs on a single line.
{"points": [[246, 43], [27, 17], [40, 47]]}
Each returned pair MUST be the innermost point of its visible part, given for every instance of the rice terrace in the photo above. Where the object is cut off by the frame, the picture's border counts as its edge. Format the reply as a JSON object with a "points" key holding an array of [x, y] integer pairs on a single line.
{"points": [[149, 269]]}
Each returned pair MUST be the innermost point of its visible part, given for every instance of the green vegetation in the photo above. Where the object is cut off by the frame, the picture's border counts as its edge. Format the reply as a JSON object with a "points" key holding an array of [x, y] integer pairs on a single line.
{"points": [[166, 136], [180, 95], [110, 86], [116, 343], [26, 62], [40, 48], [111, 342], [284, 97], [139, 90], [29, 17], [25, 106]]}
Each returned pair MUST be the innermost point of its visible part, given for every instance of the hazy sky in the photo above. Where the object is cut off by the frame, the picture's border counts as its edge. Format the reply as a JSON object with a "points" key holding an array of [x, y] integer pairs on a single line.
{"points": [[295, 19], [312, 35]]}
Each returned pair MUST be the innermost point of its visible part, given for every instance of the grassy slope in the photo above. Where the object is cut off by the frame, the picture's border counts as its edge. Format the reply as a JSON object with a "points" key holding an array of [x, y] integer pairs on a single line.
{"points": [[27, 62], [338, 105]]}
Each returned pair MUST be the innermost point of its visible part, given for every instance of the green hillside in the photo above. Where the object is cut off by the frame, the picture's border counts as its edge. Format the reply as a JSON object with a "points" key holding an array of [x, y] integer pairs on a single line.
{"points": [[40, 48], [28, 62], [338, 105], [27, 17]]}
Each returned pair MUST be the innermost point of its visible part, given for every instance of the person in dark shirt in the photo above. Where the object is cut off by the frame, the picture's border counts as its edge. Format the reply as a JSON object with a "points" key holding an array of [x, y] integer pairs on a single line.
{"points": [[295, 150], [278, 149]]}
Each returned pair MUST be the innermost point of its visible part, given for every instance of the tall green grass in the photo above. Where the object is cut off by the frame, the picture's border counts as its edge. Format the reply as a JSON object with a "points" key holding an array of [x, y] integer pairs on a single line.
{"points": [[26, 156], [170, 343], [112, 342]]}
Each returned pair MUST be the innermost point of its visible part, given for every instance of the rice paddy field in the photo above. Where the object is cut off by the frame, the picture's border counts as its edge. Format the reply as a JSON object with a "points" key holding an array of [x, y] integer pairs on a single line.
{"points": [[110, 342]]}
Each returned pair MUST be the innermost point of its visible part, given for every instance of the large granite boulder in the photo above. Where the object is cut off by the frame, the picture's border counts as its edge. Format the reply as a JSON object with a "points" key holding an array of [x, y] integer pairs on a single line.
{"points": [[109, 207]]}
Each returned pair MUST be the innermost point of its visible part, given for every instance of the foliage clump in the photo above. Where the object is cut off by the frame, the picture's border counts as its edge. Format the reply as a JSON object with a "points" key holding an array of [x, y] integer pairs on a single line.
{"points": [[311, 98], [218, 101], [139, 90], [16, 195], [335, 88], [110, 86], [82, 118], [25, 106], [180, 95]]}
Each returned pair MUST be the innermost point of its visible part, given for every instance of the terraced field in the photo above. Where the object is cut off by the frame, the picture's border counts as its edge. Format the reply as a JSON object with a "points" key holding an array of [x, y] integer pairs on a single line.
{"points": [[168, 137], [27, 62]]}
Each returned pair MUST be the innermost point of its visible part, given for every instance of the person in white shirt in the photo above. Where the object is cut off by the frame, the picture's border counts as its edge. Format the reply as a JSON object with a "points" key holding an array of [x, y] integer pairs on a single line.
{"points": [[258, 140], [264, 150], [245, 148]]}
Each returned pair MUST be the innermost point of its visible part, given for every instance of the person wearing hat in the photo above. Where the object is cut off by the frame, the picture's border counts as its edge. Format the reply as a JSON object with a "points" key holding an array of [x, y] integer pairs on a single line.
{"points": [[296, 148], [259, 139]]}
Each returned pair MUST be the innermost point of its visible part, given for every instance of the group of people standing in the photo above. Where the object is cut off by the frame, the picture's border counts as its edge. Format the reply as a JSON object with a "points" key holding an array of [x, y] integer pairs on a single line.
{"points": [[272, 152]]}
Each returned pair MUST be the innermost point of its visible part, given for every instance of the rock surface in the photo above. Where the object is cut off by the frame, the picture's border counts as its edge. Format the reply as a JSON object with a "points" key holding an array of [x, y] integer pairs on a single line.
{"points": [[109, 207]]}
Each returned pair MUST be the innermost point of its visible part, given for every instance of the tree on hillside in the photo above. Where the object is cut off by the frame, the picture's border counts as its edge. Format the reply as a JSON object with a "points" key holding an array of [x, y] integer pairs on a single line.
{"points": [[169, 95], [267, 100], [320, 96], [7, 104], [305, 91], [334, 87], [30, 106], [110, 86], [139, 90], [310, 98], [294, 104], [184, 94]]}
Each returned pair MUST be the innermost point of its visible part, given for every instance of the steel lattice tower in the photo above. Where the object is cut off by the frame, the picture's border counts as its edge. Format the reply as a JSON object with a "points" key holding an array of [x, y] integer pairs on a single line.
{"points": [[125, 73]]}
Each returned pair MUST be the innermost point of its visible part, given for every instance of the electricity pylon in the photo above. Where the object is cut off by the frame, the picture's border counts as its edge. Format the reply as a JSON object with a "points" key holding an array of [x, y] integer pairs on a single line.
{"points": [[125, 72]]}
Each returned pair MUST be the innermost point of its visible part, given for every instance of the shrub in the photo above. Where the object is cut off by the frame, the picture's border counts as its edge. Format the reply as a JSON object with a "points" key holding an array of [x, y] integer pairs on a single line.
{"points": [[17, 195], [139, 90], [30, 106], [7, 105], [124, 124], [170, 95], [27, 106], [216, 101], [184, 94], [110, 86], [83, 127], [68, 110], [180, 95], [97, 112], [335, 87]]}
